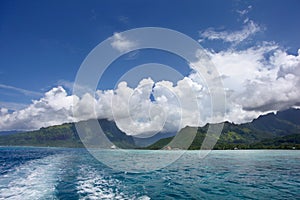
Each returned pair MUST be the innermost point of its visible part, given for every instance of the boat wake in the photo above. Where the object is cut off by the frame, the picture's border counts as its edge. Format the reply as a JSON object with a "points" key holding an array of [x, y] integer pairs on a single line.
{"points": [[93, 184], [36, 179]]}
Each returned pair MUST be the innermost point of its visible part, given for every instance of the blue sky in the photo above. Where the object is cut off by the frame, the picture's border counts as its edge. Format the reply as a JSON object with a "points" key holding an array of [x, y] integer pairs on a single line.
{"points": [[43, 43]]}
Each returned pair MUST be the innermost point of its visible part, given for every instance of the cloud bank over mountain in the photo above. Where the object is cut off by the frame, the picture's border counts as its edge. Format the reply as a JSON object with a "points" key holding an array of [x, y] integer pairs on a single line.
{"points": [[258, 79]]}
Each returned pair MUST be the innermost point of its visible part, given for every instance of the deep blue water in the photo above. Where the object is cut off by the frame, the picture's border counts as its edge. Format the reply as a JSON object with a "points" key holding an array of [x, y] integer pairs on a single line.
{"points": [[57, 173]]}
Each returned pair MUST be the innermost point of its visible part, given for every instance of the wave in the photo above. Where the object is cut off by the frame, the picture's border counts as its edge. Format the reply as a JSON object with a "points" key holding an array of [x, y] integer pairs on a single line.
{"points": [[35, 179], [93, 184], [51, 177]]}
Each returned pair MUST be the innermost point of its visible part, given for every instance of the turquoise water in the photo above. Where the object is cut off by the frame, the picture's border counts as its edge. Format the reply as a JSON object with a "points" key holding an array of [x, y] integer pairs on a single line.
{"points": [[56, 173]]}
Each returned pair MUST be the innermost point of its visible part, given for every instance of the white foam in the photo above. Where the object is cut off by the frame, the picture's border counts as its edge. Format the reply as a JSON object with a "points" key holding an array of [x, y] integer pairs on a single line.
{"points": [[92, 184], [35, 179], [144, 197]]}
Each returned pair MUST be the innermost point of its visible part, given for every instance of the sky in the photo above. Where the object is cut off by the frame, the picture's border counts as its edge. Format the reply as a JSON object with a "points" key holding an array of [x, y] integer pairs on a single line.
{"points": [[253, 44]]}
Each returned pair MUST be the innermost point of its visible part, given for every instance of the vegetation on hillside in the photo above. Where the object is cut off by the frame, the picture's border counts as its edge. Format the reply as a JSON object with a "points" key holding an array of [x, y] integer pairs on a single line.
{"points": [[274, 131], [66, 135]]}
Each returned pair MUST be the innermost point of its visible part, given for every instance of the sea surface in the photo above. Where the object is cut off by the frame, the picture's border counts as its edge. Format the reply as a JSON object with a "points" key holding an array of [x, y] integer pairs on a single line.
{"points": [[59, 173]]}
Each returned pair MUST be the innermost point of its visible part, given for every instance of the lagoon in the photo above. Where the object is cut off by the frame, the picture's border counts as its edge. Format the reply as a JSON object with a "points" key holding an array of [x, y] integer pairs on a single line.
{"points": [[62, 173]]}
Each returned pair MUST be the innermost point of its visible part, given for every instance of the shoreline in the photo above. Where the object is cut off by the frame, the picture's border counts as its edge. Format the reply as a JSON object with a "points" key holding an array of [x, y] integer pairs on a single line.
{"points": [[58, 147]]}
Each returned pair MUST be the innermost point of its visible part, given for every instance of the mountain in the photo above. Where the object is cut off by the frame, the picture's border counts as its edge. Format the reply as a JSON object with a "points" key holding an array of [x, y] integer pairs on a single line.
{"points": [[280, 130], [66, 135], [144, 142]]}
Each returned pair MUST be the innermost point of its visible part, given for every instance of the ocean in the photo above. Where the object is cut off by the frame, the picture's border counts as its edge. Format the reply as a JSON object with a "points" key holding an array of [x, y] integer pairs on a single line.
{"points": [[62, 173]]}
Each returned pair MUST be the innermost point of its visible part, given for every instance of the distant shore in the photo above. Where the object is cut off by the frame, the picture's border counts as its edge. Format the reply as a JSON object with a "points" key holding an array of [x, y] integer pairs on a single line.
{"points": [[69, 147]]}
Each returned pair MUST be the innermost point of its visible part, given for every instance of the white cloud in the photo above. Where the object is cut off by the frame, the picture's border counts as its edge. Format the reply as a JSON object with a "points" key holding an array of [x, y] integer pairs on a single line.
{"points": [[131, 108], [54, 108], [249, 29], [279, 88], [238, 66], [257, 80], [121, 43]]}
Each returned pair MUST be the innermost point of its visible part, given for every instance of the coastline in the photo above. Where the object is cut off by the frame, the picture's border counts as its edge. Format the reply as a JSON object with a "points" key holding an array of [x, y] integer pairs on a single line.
{"points": [[144, 149]]}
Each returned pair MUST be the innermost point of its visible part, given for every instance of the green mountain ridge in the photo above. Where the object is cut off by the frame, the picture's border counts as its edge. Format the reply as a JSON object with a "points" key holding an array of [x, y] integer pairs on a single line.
{"points": [[66, 135], [274, 131], [277, 131]]}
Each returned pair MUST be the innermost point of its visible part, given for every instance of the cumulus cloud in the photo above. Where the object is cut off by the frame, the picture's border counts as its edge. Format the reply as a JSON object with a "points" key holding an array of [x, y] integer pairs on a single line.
{"points": [[131, 108], [53, 108], [258, 79], [121, 43], [235, 37], [279, 88]]}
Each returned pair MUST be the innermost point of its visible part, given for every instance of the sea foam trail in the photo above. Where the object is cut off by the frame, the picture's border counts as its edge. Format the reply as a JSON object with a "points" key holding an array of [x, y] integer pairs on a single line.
{"points": [[92, 184], [35, 179]]}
